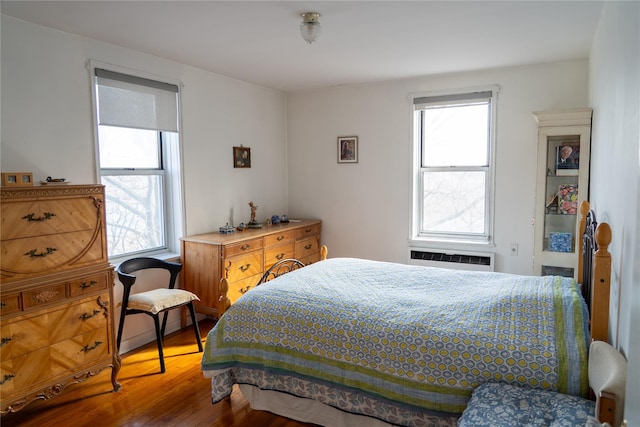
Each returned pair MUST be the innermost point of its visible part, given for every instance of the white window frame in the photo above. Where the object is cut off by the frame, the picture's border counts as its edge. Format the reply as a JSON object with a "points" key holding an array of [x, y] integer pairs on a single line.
{"points": [[171, 158], [417, 237]]}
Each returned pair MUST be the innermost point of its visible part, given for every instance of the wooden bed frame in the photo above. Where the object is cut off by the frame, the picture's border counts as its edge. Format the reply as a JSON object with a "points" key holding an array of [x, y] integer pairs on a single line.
{"points": [[594, 270]]}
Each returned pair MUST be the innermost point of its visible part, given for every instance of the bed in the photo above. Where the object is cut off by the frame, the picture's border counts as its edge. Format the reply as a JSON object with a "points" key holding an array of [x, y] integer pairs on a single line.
{"points": [[359, 342]]}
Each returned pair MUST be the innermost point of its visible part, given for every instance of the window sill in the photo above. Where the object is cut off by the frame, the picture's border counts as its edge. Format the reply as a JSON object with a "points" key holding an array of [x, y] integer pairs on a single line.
{"points": [[450, 245], [165, 256]]}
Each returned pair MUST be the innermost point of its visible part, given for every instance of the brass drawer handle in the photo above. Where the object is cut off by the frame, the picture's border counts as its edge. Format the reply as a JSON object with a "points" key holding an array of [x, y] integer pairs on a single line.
{"points": [[245, 247], [32, 217], [95, 345], [33, 253], [308, 230], [6, 378], [279, 256], [245, 267], [244, 290], [86, 285], [5, 340], [309, 246], [280, 238], [3, 304], [86, 316]]}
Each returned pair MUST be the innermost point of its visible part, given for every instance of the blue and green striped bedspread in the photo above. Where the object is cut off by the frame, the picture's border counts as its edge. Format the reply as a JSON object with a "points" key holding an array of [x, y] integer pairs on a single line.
{"points": [[360, 334]]}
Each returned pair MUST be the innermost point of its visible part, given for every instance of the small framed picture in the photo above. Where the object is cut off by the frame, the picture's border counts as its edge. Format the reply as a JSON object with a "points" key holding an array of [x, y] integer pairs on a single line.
{"points": [[347, 149], [241, 157], [568, 160], [17, 178]]}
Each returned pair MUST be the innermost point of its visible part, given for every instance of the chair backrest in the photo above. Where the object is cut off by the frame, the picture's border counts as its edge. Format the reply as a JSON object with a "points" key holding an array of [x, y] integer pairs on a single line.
{"points": [[279, 268], [126, 269], [607, 379]]}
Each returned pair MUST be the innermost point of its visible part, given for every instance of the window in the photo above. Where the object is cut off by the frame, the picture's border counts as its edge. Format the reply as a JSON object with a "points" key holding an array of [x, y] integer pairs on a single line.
{"points": [[138, 162], [453, 179]]}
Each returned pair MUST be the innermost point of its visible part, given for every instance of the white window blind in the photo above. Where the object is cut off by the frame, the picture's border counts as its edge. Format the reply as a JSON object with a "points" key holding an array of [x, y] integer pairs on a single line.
{"points": [[136, 102]]}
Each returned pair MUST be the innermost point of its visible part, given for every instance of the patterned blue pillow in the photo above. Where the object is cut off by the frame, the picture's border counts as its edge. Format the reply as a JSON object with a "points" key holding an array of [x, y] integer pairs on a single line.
{"points": [[505, 405]]}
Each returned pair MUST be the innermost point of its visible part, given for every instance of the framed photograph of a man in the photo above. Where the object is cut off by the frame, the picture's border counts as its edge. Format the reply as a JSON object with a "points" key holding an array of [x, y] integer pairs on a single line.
{"points": [[347, 149], [568, 160]]}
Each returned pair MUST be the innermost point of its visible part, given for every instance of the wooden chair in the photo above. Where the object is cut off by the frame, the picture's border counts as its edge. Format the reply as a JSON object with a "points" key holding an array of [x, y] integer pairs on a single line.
{"points": [[279, 268], [162, 299]]}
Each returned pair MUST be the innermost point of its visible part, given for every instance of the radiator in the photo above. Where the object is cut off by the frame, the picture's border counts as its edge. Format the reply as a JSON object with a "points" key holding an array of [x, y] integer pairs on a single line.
{"points": [[457, 261]]}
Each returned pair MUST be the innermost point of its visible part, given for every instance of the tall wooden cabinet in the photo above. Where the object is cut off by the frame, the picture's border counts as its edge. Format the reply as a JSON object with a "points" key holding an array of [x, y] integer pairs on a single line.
{"points": [[56, 292], [242, 257], [564, 142]]}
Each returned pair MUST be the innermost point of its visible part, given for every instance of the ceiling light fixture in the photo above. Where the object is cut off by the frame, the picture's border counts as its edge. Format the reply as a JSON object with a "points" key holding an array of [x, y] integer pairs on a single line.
{"points": [[310, 27]]}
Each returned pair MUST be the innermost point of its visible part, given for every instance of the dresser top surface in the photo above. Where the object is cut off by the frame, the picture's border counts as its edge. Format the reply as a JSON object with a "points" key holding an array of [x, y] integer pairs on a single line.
{"points": [[218, 238]]}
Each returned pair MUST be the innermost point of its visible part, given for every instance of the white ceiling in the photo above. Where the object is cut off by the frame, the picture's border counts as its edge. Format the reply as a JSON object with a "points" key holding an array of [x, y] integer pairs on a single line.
{"points": [[361, 41]]}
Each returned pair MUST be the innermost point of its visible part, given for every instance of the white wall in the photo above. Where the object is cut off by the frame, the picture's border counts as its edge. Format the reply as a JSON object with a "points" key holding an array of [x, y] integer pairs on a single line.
{"points": [[47, 129], [365, 206], [615, 174]]}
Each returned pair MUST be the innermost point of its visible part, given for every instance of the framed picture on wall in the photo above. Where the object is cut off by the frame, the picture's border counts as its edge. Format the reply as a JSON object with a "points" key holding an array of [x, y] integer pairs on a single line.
{"points": [[347, 149], [241, 157]]}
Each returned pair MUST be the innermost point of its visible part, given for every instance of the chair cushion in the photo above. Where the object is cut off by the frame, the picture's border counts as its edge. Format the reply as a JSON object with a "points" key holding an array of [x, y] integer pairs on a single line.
{"points": [[160, 299], [498, 405]]}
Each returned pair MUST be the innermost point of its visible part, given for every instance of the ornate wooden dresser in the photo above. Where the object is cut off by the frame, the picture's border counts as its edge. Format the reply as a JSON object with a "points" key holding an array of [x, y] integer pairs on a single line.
{"points": [[242, 257], [56, 287]]}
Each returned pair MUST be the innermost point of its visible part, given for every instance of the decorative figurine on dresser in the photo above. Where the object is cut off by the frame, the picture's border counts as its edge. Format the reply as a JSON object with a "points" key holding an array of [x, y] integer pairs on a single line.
{"points": [[56, 288]]}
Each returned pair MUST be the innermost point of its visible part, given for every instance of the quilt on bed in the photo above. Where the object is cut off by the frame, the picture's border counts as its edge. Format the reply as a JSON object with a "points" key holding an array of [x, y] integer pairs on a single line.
{"points": [[391, 341]]}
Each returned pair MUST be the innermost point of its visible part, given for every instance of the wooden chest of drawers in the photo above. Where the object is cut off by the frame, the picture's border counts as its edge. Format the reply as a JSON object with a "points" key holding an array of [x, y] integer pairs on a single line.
{"points": [[242, 257], [56, 292]]}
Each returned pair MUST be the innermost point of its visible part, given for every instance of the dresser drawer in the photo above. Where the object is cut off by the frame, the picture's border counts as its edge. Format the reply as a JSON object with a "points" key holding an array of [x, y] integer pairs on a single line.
{"points": [[277, 253], [89, 284], [45, 217], [308, 247], [25, 371], [44, 295], [80, 351], [78, 318], [304, 232], [241, 287], [9, 304], [243, 247], [280, 238], [40, 255], [243, 266], [24, 334]]}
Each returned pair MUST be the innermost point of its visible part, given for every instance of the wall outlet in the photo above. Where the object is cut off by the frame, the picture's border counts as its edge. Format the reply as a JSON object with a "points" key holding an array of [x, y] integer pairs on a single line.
{"points": [[514, 249]]}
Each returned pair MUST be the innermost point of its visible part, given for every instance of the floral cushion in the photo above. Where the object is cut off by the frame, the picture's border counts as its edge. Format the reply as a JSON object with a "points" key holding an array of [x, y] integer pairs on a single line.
{"points": [[505, 405]]}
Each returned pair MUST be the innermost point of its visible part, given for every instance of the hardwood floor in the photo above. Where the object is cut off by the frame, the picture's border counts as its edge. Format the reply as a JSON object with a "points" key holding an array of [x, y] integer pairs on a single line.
{"points": [[179, 397]]}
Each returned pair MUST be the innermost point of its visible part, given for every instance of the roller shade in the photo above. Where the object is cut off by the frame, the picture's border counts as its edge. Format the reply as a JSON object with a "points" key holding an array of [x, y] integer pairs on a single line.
{"points": [[455, 99], [135, 102]]}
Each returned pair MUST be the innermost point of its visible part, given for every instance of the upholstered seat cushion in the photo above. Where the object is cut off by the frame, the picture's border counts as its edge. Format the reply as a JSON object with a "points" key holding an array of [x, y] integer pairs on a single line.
{"points": [[160, 299], [505, 405]]}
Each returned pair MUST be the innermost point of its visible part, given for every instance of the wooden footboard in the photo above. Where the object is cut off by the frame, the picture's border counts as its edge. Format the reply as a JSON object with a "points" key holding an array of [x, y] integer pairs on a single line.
{"points": [[594, 270]]}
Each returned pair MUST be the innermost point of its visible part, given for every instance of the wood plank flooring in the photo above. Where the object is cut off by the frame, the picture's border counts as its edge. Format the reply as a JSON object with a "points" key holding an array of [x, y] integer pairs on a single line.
{"points": [[179, 397]]}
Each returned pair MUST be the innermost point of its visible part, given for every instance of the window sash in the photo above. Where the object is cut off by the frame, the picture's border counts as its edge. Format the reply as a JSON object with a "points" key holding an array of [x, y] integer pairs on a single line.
{"points": [[433, 218], [136, 211]]}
